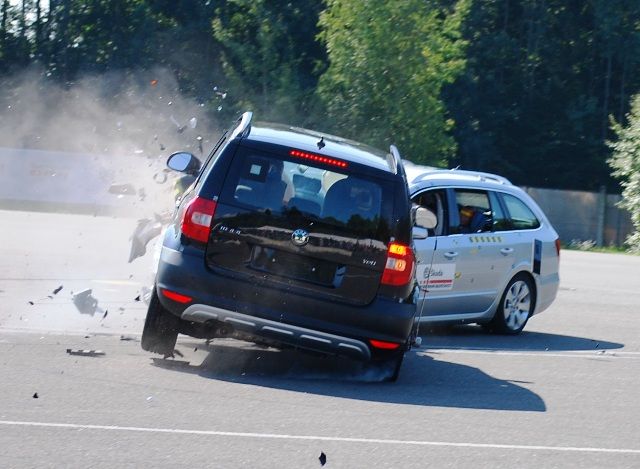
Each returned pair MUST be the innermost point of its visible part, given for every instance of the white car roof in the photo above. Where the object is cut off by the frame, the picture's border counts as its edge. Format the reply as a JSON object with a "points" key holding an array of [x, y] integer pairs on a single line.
{"points": [[425, 176]]}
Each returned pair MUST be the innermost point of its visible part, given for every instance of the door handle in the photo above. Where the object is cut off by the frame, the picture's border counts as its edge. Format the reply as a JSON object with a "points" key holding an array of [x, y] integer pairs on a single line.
{"points": [[506, 251], [450, 254]]}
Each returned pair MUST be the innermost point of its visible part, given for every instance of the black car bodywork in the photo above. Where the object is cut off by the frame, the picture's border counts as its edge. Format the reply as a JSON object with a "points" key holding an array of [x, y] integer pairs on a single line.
{"points": [[290, 238]]}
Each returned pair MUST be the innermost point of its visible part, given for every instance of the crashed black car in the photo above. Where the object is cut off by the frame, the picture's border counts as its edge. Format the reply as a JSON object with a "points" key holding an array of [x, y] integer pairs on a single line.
{"points": [[293, 238]]}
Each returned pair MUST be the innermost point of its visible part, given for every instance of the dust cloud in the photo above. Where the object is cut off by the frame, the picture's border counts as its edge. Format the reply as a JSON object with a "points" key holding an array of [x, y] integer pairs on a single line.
{"points": [[125, 123]]}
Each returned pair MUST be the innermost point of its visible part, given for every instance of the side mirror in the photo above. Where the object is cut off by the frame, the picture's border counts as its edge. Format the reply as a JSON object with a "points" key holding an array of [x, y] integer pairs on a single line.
{"points": [[184, 162], [425, 218]]}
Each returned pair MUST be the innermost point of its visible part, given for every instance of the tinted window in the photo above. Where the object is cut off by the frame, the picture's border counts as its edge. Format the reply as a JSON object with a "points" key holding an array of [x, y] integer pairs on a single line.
{"points": [[521, 216], [500, 220], [474, 211], [279, 186]]}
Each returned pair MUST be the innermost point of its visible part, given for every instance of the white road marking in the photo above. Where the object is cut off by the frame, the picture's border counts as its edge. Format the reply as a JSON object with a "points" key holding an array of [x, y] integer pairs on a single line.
{"points": [[277, 436], [612, 353]]}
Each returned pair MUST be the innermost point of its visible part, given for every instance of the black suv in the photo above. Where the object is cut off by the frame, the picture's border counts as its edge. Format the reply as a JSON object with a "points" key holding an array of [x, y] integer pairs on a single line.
{"points": [[293, 238]]}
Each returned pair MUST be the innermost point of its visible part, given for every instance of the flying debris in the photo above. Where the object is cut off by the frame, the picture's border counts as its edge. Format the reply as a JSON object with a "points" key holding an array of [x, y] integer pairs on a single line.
{"points": [[323, 459], [57, 290], [86, 353], [85, 302]]}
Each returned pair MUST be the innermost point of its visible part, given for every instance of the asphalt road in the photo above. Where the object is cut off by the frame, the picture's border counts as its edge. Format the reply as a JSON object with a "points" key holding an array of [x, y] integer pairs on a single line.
{"points": [[563, 394]]}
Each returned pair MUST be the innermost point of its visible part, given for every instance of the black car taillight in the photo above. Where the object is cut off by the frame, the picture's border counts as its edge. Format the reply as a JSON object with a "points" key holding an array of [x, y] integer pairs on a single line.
{"points": [[399, 266], [196, 219]]}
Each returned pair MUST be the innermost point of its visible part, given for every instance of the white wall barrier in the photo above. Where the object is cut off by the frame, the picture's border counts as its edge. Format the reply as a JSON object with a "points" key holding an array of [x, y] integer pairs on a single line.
{"points": [[72, 182]]}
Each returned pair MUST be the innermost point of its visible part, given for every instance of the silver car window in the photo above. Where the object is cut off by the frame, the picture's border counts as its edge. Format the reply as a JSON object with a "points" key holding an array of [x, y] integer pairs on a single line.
{"points": [[522, 218]]}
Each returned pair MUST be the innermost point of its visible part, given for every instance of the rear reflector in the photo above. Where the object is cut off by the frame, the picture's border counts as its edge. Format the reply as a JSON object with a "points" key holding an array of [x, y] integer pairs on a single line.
{"points": [[318, 158], [196, 222], [399, 266], [558, 246], [381, 344], [176, 296]]}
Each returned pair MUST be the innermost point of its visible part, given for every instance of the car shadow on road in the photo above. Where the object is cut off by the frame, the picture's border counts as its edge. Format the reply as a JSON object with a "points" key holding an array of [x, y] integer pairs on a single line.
{"points": [[424, 380], [475, 337]]}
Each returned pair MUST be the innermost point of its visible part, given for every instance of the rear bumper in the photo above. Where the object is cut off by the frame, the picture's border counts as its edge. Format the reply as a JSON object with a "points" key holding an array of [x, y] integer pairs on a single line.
{"points": [[280, 332], [258, 308]]}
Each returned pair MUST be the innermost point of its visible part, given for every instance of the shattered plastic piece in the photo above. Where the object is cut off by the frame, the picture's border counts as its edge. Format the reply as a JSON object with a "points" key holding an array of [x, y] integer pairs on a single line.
{"points": [[146, 294], [35, 395], [57, 290], [144, 232], [105, 313], [154, 82], [322, 458], [31, 303], [85, 303], [85, 353], [125, 338]]}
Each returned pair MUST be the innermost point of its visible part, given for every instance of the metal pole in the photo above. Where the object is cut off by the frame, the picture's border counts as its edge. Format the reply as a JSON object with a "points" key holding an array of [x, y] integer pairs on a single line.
{"points": [[602, 209]]}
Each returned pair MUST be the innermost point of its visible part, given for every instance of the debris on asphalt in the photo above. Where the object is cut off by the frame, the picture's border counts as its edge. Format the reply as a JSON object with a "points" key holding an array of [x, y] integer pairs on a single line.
{"points": [[85, 353], [105, 313], [323, 459], [85, 303], [137, 298], [31, 303], [57, 290], [127, 338]]}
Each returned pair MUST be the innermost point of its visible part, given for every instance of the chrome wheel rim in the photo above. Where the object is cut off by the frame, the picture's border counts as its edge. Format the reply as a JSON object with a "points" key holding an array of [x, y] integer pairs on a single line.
{"points": [[517, 303]]}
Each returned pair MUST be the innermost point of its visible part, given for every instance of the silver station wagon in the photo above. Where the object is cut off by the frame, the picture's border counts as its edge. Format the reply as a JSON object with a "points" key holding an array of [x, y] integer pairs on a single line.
{"points": [[493, 256]]}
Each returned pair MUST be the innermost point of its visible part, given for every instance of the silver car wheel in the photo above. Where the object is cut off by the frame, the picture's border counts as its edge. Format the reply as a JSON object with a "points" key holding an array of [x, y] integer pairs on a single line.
{"points": [[517, 305]]}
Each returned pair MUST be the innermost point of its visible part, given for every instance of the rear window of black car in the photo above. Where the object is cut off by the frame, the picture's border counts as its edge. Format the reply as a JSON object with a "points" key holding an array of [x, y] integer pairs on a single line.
{"points": [[356, 204]]}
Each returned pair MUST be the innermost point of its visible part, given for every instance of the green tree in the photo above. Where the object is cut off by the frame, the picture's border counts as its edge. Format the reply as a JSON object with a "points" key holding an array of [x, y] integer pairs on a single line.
{"points": [[388, 62], [625, 163], [270, 55], [541, 79]]}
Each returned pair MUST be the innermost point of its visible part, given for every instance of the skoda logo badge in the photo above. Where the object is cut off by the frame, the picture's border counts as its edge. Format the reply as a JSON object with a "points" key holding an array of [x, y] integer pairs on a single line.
{"points": [[299, 237]]}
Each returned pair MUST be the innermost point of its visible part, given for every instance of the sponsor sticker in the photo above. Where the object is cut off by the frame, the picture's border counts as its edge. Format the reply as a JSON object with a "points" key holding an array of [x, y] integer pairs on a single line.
{"points": [[436, 276]]}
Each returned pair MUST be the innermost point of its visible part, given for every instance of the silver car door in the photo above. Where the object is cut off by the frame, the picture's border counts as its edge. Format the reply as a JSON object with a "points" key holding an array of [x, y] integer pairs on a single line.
{"points": [[436, 264], [479, 262]]}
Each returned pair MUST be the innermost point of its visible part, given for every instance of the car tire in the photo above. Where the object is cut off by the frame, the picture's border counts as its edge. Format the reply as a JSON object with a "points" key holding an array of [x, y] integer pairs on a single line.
{"points": [[160, 331], [515, 307]]}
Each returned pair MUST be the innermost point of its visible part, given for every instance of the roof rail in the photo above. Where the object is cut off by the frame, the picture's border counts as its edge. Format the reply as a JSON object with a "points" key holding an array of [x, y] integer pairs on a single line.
{"points": [[243, 127], [479, 174], [395, 162]]}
